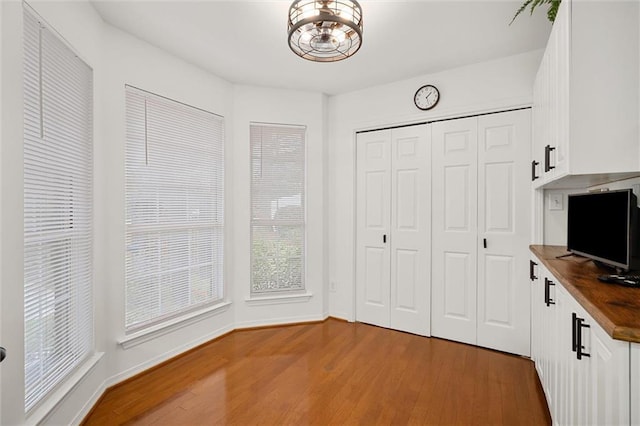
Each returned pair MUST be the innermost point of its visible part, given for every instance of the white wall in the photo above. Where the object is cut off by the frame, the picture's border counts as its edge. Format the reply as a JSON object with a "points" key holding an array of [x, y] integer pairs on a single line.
{"points": [[128, 60], [489, 86], [86, 39], [555, 220], [118, 59], [256, 104]]}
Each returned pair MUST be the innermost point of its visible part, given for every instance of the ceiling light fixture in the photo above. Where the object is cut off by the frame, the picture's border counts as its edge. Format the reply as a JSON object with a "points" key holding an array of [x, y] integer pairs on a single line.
{"points": [[325, 30]]}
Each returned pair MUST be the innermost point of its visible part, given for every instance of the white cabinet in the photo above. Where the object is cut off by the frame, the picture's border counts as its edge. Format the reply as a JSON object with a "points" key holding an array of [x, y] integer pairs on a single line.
{"points": [[598, 370], [544, 333], [480, 230], [586, 97], [635, 383], [393, 229], [537, 314], [585, 373], [550, 104], [609, 393]]}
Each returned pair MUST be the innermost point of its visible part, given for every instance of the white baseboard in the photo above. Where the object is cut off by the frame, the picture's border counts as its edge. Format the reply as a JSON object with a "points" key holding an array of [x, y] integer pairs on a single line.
{"points": [[280, 321], [93, 400], [342, 316]]}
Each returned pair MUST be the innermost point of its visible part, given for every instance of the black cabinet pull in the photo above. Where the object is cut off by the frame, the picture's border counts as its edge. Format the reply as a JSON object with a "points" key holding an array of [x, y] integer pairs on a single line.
{"points": [[579, 326], [574, 332], [547, 158], [534, 163], [484, 242], [384, 238], [547, 295], [532, 272]]}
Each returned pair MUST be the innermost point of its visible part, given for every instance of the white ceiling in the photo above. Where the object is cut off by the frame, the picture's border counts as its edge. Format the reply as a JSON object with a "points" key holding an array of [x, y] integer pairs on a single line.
{"points": [[245, 42]]}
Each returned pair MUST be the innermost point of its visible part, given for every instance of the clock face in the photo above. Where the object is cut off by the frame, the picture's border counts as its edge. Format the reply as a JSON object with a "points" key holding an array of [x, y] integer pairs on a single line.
{"points": [[426, 97]]}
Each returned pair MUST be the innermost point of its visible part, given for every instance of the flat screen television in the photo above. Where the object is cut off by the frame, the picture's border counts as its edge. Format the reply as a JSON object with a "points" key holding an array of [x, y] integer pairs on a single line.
{"points": [[603, 226]]}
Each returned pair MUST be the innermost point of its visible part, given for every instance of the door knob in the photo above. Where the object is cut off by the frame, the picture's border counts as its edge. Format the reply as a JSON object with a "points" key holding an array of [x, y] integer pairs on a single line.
{"points": [[3, 354]]}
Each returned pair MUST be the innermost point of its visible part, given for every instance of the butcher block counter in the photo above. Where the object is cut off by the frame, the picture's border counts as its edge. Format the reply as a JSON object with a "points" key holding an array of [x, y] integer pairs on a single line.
{"points": [[616, 308]]}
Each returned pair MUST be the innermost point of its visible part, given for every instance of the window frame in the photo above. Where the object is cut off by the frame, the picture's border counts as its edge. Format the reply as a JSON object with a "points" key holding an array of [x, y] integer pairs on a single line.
{"points": [[294, 294], [169, 320], [68, 259]]}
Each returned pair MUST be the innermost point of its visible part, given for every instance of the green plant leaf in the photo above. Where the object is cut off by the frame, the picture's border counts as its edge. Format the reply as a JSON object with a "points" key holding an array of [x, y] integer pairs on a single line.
{"points": [[533, 4], [520, 10]]}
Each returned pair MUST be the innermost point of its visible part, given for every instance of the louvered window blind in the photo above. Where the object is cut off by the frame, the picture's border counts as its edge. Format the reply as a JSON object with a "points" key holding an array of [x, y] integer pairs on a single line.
{"points": [[277, 208], [174, 208], [58, 181]]}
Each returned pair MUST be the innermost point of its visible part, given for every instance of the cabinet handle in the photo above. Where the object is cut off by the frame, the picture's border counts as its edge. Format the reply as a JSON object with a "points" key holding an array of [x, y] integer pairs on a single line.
{"points": [[534, 163], [384, 238], [3, 354], [579, 326], [574, 332], [547, 296], [547, 158], [484, 242], [532, 273]]}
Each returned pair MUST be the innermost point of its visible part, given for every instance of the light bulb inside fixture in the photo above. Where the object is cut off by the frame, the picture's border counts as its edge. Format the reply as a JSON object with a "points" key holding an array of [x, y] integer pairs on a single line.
{"points": [[308, 10], [339, 34], [324, 41], [305, 37], [345, 12]]}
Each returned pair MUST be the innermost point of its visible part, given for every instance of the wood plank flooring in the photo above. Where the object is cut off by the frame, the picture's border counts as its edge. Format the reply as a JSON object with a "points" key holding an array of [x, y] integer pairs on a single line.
{"points": [[330, 373]]}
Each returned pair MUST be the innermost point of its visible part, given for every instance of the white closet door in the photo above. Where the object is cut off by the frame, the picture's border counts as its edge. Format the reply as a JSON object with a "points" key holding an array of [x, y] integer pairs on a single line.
{"points": [[373, 263], [454, 243], [410, 229], [504, 222]]}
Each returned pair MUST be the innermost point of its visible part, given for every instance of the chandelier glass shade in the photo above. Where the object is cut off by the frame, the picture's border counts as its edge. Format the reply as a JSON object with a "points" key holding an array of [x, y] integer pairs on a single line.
{"points": [[325, 30]]}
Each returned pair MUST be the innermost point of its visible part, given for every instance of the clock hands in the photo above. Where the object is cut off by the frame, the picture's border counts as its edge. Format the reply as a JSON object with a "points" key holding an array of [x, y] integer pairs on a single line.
{"points": [[426, 97]]}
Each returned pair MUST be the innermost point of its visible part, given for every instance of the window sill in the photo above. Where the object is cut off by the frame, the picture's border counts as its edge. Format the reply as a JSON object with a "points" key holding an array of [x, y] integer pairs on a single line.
{"points": [[40, 411], [151, 333], [278, 299]]}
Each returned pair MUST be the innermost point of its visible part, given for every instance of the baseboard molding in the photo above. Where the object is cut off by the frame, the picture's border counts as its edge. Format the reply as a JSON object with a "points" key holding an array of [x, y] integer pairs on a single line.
{"points": [[280, 322], [341, 316], [87, 408]]}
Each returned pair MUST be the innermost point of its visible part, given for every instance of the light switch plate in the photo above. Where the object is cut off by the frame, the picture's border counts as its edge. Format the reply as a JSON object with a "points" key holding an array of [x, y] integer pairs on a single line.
{"points": [[555, 201]]}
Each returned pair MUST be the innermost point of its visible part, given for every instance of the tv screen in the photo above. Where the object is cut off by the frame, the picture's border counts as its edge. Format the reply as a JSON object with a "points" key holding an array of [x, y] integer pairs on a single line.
{"points": [[602, 226]]}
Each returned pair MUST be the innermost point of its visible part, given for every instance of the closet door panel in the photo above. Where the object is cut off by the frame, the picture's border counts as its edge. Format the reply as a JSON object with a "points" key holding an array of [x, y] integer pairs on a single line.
{"points": [[410, 229], [373, 265], [503, 220], [454, 229]]}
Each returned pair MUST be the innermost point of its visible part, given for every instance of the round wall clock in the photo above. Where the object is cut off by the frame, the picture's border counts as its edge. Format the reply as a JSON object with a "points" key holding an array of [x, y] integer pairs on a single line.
{"points": [[426, 97]]}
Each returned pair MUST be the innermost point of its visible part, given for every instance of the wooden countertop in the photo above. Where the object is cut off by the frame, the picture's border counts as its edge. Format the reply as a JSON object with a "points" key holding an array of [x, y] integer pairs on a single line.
{"points": [[616, 308]]}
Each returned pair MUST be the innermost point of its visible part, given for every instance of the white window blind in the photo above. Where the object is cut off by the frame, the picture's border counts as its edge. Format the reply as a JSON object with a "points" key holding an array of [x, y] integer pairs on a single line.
{"points": [[58, 181], [277, 208], [174, 208]]}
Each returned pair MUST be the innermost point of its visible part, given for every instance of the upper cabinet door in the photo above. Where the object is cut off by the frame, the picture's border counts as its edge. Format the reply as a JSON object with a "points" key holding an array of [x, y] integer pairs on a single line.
{"points": [[504, 217], [586, 96]]}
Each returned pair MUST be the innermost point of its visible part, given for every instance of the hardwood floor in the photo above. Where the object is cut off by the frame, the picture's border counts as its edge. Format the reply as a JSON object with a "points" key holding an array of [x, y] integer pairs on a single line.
{"points": [[329, 373]]}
